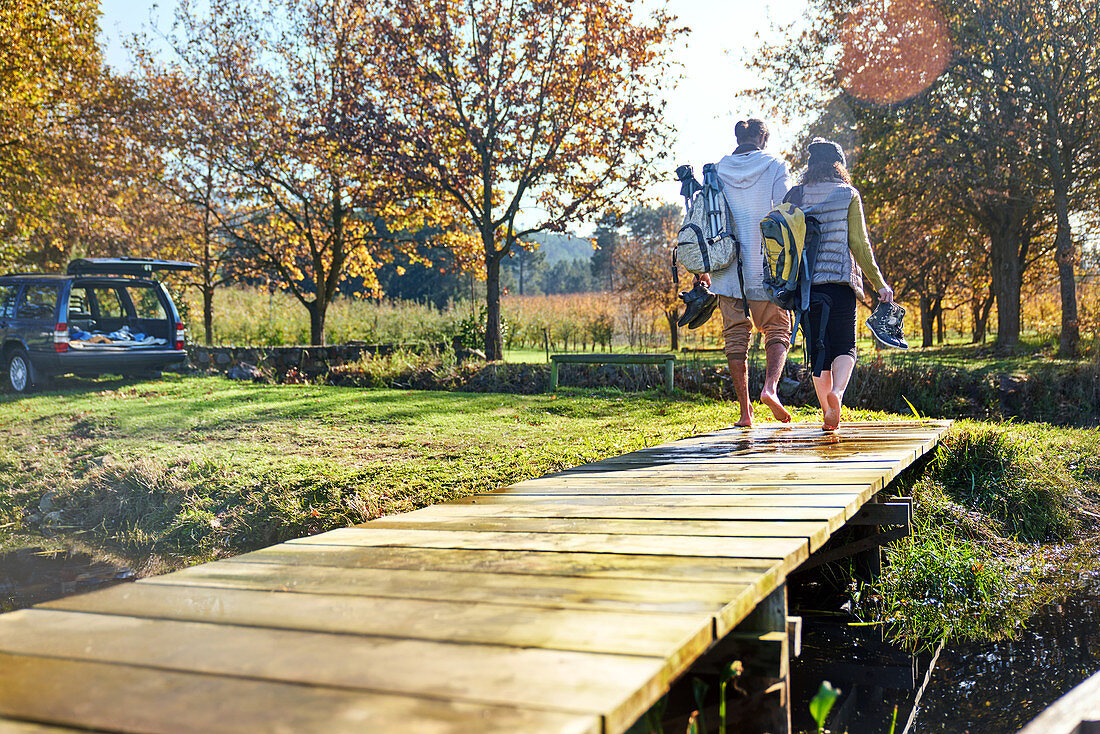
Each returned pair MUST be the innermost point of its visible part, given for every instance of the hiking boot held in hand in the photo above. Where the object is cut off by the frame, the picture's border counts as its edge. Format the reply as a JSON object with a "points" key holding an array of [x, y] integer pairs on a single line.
{"points": [[700, 302], [885, 323], [703, 316]]}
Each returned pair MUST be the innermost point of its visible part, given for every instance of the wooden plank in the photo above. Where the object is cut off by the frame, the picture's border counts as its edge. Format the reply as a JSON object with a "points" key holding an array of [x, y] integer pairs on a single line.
{"points": [[615, 486], [791, 474], [727, 457], [561, 592], [732, 444], [791, 550], [515, 625], [568, 682], [816, 532], [755, 459], [592, 565], [629, 502], [140, 699], [607, 358], [1077, 712], [10, 726], [701, 482], [593, 511]]}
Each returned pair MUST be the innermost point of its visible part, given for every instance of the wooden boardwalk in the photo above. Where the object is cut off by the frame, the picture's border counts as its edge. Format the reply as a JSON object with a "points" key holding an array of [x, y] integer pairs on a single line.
{"points": [[566, 603]]}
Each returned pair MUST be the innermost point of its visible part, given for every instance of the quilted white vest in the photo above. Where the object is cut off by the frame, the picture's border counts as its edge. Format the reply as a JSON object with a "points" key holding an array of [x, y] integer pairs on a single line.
{"points": [[829, 202]]}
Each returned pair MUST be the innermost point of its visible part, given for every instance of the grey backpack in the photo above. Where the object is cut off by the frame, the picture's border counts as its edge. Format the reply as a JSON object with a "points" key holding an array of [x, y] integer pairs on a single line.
{"points": [[707, 240]]}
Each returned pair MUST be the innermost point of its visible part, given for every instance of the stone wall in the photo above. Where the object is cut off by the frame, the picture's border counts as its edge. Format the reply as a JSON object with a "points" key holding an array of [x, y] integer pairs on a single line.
{"points": [[309, 361]]}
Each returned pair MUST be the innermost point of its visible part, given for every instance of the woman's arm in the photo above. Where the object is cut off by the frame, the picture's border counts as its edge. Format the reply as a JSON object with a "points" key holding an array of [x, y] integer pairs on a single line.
{"points": [[860, 245]]}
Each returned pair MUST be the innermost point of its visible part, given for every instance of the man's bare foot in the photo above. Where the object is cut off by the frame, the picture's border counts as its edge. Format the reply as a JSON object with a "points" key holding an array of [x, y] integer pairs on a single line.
{"points": [[771, 400], [746, 419], [832, 412]]}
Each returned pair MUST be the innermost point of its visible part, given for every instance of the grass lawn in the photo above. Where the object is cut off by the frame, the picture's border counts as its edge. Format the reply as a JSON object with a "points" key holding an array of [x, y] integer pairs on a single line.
{"points": [[187, 469]]}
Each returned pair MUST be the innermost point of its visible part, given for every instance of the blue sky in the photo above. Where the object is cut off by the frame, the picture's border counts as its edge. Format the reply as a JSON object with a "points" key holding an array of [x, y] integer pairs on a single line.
{"points": [[703, 107]]}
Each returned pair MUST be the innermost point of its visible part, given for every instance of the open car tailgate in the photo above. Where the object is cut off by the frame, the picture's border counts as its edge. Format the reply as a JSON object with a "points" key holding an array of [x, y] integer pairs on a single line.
{"points": [[132, 266]]}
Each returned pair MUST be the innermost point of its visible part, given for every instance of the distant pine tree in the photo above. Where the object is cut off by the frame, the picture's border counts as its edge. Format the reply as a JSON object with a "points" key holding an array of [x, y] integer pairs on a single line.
{"points": [[609, 240]]}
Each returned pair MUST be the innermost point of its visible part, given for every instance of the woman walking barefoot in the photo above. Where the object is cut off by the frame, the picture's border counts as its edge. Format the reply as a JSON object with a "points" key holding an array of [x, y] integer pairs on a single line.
{"points": [[843, 256]]}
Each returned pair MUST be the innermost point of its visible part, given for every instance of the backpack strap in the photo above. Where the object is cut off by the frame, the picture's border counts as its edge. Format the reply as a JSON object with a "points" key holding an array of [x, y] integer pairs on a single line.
{"points": [[794, 196], [702, 240], [826, 308]]}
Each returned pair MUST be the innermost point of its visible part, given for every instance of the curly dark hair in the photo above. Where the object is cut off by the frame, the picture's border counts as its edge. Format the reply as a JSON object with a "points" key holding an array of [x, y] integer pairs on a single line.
{"points": [[831, 171]]}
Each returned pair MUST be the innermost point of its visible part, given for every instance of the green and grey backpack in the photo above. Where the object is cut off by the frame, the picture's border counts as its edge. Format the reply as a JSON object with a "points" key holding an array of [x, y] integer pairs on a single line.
{"points": [[702, 248]]}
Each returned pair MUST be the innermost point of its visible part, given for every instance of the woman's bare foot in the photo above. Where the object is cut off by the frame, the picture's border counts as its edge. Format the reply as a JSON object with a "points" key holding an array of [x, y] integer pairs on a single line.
{"points": [[771, 400], [832, 412]]}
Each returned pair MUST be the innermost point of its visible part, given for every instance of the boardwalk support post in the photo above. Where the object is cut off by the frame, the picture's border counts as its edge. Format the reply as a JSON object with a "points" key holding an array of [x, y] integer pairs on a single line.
{"points": [[760, 701], [867, 545]]}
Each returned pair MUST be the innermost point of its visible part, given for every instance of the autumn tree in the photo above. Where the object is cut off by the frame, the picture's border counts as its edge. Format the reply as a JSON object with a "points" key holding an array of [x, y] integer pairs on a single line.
{"points": [[49, 63], [527, 115], [644, 267], [279, 90], [931, 106], [1052, 61], [181, 123]]}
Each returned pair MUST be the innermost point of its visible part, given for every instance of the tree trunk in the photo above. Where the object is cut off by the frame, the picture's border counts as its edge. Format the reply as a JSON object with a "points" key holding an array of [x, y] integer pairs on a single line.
{"points": [[979, 311], [208, 313], [1065, 253], [209, 267], [1006, 235], [938, 309], [317, 308], [494, 343], [926, 321], [672, 315]]}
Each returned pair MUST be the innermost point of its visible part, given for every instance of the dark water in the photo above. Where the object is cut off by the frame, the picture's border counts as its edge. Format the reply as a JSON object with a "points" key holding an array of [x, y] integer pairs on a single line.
{"points": [[989, 688], [33, 575]]}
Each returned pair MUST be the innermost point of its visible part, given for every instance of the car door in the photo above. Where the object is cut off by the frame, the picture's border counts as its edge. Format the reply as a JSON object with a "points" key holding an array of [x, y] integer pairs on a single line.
{"points": [[36, 316], [8, 293]]}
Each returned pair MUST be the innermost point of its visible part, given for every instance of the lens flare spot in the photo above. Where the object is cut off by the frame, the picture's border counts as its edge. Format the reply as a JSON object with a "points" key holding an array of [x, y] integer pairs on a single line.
{"points": [[891, 51]]}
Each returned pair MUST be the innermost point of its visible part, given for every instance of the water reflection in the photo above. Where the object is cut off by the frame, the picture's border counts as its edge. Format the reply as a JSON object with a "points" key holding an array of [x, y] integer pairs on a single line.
{"points": [[33, 575], [988, 688], [999, 687]]}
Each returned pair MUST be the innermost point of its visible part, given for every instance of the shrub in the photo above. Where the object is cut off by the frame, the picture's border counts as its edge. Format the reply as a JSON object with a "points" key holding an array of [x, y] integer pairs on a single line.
{"points": [[938, 585], [1004, 474]]}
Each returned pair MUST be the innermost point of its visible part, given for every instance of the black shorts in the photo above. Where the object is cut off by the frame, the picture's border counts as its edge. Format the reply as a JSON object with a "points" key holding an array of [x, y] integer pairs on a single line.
{"points": [[840, 328]]}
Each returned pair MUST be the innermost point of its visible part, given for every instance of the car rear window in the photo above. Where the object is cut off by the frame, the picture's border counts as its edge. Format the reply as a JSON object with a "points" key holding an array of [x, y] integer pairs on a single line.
{"points": [[38, 302], [110, 306], [146, 302]]}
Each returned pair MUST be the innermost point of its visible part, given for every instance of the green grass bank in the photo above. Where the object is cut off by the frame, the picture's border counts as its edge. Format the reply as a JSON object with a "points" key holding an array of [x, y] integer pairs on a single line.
{"points": [[187, 469]]}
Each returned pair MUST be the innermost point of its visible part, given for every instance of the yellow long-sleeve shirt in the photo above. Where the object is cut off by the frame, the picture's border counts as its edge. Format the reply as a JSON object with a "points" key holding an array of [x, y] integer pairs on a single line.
{"points": [[860, 243]]}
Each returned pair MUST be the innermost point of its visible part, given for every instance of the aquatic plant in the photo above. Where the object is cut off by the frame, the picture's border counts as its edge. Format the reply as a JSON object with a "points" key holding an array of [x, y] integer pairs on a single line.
{"points": [[822, 703]]}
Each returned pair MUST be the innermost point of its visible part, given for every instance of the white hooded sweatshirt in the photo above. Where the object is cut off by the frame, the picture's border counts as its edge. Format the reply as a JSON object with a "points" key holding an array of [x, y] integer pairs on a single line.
{"points": [[754, 182]]}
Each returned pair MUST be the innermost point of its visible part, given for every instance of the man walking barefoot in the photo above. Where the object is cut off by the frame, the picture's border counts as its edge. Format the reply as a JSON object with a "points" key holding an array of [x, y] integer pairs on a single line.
{"points": [[754, 182]]}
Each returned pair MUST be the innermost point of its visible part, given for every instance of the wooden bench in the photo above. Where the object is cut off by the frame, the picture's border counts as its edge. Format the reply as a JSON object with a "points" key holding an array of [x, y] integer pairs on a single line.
{"points": [[668, 360]]}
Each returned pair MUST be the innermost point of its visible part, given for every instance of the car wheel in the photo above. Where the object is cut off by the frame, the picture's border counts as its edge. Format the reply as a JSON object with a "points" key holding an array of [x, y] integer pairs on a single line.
{"points": [[19, 371]]}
